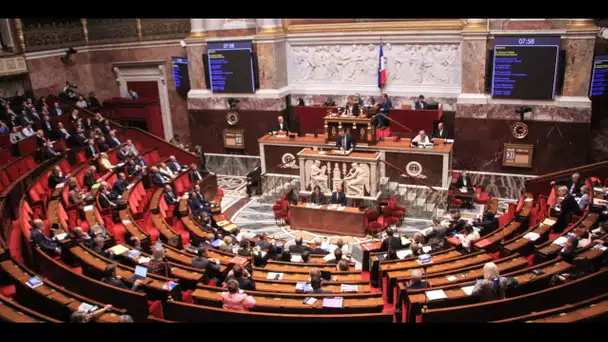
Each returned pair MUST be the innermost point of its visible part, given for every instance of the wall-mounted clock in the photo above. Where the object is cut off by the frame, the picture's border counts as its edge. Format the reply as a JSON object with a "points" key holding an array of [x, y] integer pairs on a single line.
{"points": [[520, 130], [232, 118]]}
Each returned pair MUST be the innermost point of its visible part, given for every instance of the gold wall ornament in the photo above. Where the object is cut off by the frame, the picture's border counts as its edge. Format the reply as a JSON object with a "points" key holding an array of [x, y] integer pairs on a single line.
{"points": [[476, 25], [362, 133], [85, 30], [138, 22], [403, 25], [198, 35], [19, 26], [232, 118], [333, 130], [582, 24], [271, 31]]}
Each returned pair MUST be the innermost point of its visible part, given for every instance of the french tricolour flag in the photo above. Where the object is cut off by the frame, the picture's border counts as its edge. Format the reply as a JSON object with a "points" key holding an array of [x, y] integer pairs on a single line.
{"points": [[381, 70]]}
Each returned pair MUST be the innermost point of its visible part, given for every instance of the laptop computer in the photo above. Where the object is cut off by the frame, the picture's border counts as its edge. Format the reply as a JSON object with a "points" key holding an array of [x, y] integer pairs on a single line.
{"points": [[140, 273]]}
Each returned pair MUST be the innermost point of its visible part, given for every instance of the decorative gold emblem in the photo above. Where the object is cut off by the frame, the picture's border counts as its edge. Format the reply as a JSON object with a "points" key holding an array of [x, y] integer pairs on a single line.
{"points": [[520, 130], [232, 118], [362, 133]]}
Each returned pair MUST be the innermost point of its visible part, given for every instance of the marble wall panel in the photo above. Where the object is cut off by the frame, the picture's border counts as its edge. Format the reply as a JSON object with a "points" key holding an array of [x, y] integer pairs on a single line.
{"points": [[508, 112], [246, 104], [234, 165], [579, 60], [195, 65], [474, 53]]}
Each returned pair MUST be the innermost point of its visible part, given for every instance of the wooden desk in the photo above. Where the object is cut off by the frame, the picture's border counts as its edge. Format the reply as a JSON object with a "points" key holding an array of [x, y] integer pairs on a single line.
{"points": [[521, 222], [290, 286], [350, 221], [435, 163], [359, 127], [522, 245], [11, 311], [549, 249], [337, 277]]}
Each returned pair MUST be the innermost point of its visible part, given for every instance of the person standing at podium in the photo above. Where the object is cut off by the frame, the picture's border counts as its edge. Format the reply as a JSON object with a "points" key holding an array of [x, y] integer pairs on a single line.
{"points": [[317, 197], [338, 196], [345, 142], [281, 126]]}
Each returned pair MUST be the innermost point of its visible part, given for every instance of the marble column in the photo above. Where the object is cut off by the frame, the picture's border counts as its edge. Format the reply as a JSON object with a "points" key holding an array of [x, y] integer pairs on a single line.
{"points": [[474, 52], [195, 48], [271, 53], [579, 43]]}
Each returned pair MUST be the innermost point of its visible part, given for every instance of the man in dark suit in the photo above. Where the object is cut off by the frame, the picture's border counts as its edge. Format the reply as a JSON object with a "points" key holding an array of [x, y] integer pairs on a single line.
{"points": [[457, 224], [440, 132], [416, 281], [112, 141], [56, 111], [62, 133], [170, 196], [98, 248], [123, 153], [120, 184], [47, 127], [240, 274], [281, 125], [102, 145], [106, 198], [488, 224], [90, 151], [420, 104], [386, 104], [318, 250], [139, 160], [89, 178], [209, 265], [339, 197], [567, 208], [105, 127], [56, 177], [81, 237], [194, 175], [345, 142], [48, 151], [315, 283], [253, 179], [391, 243], [337, 256], [48, 245], [464, 181], [299, 247], [40, 139], [173, 164], [263, 242], [317, 197], [111, 279], [196, 207], [575, 186], [79, 137], [156, 178]]}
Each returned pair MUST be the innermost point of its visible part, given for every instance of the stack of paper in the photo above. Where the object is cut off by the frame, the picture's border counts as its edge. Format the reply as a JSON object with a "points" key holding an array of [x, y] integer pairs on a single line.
{"points": [[468, 289], [119, 249], [34, 282], [61, 236], [143, 260], [341, 208], [405, 241], [86, 307], [532, 236], [426, 249], [582, 243], [451, 278], [88, 208], [222, 223], [600, 247], [133, 254], [436, 294], [548, 222], [336, 302], [59, 186], [560, 241], [302, 286], [296, 258], [329, 257], [404, 253], [349, 288], [310, 300]]}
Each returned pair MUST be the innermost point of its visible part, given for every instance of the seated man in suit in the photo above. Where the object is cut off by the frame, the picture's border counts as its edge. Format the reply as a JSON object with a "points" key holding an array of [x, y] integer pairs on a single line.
{"points": [[106, 198], [102, 144], [111, 278], [156, 177], [47, 127], [568, 207], [253, 179], [56, 110], [317, 197], [281, 126], [337, 256], [112, 140], [318, 250], [123, 153], [120, 184], [391, 243], [240, 274], [81, 237], [421, 138], [345, 142], [62, 133], [139, 160], [47, 245], [196, 207], [463, 181], [575, 187], [488, 224], [90, 151], [40, 139], [49, 152], [263, 242], [315, 283], [194, 175], [419, 103], [202, 261], [174, 165], [170, 196], [440, 133], [98, 248], [339, 197], [583, 201], [132, 168], [56, 177], [299, 246], [79, 138], [416, 281], [90, 177]]}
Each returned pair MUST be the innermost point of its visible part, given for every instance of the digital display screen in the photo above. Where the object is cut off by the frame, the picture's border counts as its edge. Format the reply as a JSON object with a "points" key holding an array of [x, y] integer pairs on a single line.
{"points": [[181, 76], [525, 67], [599, 76], [231, 67]]}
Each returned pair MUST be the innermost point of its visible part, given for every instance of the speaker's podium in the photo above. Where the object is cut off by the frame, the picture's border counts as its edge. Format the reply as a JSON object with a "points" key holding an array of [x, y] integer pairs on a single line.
{"points": [[144, 113], [359, 127]]}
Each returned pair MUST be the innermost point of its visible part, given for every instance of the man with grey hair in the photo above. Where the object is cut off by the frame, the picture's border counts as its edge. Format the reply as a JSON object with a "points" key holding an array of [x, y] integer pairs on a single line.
{"points": [[281, 125], [575, 187], [585, 198], [416, 281], [567, 207], [318, 250], [46, 244], [82, 237]]}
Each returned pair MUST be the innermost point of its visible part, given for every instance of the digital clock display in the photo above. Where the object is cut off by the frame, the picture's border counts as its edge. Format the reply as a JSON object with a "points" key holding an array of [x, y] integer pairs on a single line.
{"points": [[525, 67]]}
